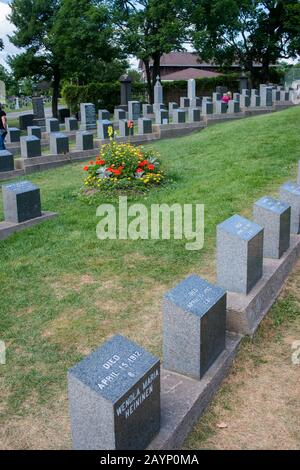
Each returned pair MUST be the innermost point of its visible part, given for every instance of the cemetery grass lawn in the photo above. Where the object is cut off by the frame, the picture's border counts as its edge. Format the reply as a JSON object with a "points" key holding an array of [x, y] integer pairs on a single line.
{"points": [[63, 292]]}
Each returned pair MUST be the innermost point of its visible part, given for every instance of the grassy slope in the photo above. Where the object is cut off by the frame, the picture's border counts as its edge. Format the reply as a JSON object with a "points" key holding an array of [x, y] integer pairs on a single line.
{"points": [[63, 291]]}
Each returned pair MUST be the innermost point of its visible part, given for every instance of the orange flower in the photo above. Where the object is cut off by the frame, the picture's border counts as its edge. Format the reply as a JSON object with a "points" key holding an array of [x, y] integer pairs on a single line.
{"points": [[151, 167]]}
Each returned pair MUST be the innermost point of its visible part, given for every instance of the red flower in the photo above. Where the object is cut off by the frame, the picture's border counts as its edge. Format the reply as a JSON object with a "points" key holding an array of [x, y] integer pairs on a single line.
{"points": [[117, 172], [143, 163], [121, 168], [139, 170], [151, 167], [110, 169], [86, 168], [101, 162]]}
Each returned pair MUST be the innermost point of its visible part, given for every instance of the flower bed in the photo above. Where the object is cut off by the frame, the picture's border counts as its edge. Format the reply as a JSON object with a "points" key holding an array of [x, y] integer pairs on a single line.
{"points": [[123, 166]]}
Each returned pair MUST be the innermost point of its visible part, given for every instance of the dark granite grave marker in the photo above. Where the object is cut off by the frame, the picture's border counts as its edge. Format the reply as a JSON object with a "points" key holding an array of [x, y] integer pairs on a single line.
{"points": [[290, 193], [194, 326], [239, 254], [134, 110], [30, 147], [13, 135], [84, 140], [114, 397], [21, 201], [25, 120], [63, 113], [103, 114], [35, 130], [124, 129], [88, 116], [179, 116], [6, 161], [144, 126], [275, 217], [103, 129], [38, 107]]}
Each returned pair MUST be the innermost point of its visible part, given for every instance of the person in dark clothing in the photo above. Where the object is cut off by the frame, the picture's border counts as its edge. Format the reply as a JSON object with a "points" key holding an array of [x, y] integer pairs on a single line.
{"points": [[3, 127]]}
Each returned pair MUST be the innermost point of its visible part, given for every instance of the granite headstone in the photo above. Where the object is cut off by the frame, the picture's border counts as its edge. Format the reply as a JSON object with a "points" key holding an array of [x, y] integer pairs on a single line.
{"points": [[114, 397], [239, 254], [194, 326]]}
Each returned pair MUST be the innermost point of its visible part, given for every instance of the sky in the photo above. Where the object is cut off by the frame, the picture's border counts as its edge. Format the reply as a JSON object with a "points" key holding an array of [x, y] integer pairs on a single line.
{"points": [[5, 29]]}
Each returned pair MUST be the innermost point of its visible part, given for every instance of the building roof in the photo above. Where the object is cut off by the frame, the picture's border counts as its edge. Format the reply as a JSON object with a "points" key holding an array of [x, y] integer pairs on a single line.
{"points": [[189, 73], [180, 59]]}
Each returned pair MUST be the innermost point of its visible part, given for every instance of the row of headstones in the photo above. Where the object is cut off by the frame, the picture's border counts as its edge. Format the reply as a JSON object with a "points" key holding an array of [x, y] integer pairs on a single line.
{"points": [[114, 393], [59, 144]]}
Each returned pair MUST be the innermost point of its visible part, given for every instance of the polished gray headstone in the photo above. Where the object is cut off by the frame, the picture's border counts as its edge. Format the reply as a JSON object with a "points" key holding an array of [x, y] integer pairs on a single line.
{"points": [[30, 147], [25, 120], [124, 129], [52, 125], [245, 101], [147, 109], [172, 105], [21, 201], [119, 114], [88, 116], [207, 107], [103, 115], [194, 114], [6, 161], [84, 140], [13, 134], [185, 102], [194, 326], [239, 254], [134, 110], [275, 217], [290, 193], [233, 107], [144, 126], [220, 107], [179, 116], [59, 143], [114, 397], [102, 129], [34, 130], [161, 116], [71, 124]]}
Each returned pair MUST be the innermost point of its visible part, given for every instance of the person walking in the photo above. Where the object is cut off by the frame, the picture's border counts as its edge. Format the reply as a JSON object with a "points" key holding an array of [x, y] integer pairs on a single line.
{"points": [[3, 128]]}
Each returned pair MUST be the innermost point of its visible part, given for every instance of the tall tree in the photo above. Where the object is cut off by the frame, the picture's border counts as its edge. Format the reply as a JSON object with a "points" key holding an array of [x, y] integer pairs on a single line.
{"points": [[150, 28], [61, 38], [246, 31]]}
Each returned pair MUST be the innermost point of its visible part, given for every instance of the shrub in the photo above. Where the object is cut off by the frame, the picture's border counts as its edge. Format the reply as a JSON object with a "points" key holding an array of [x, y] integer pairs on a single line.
{"points": [[123, 166]]}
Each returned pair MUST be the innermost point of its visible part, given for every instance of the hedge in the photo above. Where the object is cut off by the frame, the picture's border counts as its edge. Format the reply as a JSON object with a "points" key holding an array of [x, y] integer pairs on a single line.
{"points": [[107, 95]]}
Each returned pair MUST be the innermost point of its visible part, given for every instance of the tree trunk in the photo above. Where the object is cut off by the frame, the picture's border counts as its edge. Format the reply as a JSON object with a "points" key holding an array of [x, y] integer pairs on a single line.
{"points": [[265, 71], [55, 92], [149, 82]]}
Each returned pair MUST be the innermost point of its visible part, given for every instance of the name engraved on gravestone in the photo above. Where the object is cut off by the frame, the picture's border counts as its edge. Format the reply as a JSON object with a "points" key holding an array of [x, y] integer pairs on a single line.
{"points": [[122, 385], [194, 309], [239, 254], [88, 116]]}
